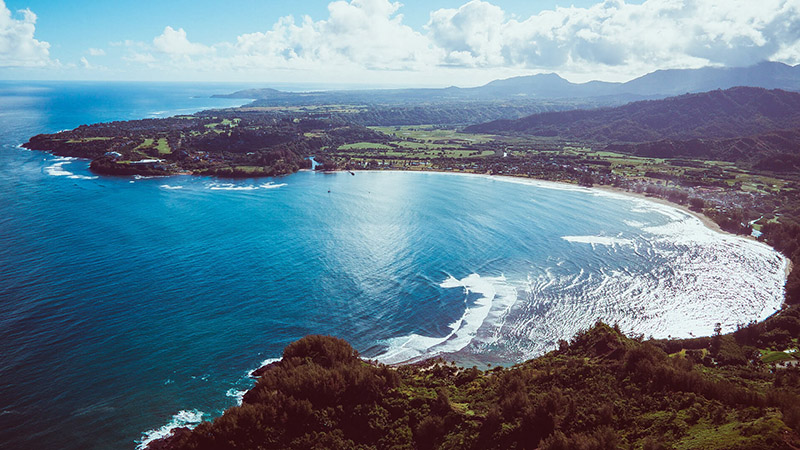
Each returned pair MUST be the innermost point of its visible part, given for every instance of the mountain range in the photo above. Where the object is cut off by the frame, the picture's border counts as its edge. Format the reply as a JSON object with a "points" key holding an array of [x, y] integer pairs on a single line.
{"points": [[658, 84], [716, 114]]}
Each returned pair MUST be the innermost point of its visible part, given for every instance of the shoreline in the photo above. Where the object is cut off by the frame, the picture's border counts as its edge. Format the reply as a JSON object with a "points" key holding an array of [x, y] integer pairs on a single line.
{"points": [[535, 182], [705, 220]]}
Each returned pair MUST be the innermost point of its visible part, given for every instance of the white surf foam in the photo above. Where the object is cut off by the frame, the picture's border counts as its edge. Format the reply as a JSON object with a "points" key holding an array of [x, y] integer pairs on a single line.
{"points": [[58, 170], [184, 418], [166, 186], [238, 391], [600, 240], [239, 187], [265, 362], [231, 187], [272, 185], [238, 394], [494, 293], [679, 279]]}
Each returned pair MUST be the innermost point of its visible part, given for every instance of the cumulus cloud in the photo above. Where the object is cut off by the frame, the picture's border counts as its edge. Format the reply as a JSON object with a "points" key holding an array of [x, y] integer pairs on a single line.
{"points": [[366, 33], [174, 42], [611, 39], [18, 47], [97, 52], [654, 34]]}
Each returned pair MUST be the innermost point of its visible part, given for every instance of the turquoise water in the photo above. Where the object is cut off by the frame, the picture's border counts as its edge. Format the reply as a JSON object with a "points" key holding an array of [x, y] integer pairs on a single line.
{"points": [[128, 305]]}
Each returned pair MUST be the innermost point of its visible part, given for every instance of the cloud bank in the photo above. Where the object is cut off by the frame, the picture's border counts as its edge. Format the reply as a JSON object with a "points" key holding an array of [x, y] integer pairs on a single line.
{"points": [[611, 36], [18, 48], [611, 40]]}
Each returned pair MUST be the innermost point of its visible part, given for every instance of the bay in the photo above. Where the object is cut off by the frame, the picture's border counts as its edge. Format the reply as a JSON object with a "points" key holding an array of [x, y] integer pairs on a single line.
{"points": [[129, 304]]}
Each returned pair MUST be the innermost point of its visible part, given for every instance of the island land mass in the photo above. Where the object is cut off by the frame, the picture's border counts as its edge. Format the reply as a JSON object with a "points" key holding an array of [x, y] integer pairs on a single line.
{"points": [[728, 152]]}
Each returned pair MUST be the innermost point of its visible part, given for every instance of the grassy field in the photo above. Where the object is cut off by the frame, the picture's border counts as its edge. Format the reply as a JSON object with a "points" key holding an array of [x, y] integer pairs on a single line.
{"points": [[148, 143], [388, 152], [88, 139], [365, 146], [163, 147], [433, 133], [768, 356]]}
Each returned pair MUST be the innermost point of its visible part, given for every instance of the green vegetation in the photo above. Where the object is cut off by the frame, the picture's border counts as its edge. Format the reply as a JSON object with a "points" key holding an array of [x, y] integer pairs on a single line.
{"points": [[602, 390], [432, 133], [231, 143], [87, 139], [364, 145], [163, 147], [775, 356]]}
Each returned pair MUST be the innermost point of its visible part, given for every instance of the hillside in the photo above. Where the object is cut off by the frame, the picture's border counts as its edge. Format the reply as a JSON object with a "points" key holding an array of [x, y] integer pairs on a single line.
{"points": [[600, 391], [517, 97], [734, 112], [658, 84], [774, 151]]}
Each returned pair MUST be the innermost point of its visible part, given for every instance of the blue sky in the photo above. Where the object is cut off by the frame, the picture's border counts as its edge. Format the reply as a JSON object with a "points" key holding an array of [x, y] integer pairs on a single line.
{"points": [[425, 43]]}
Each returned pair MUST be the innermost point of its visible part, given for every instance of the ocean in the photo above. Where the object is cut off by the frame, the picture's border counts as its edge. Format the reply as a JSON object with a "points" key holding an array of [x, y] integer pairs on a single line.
{"points": [[129, 305]]}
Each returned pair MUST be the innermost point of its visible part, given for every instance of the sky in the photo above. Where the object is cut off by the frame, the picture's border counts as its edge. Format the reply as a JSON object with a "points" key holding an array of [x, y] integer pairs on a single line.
{"points": [[380, 42]]}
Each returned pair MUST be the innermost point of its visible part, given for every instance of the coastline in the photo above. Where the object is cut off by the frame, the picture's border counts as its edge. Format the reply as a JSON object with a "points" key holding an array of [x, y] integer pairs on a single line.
{"points": [[548, 184], [705, 220]]}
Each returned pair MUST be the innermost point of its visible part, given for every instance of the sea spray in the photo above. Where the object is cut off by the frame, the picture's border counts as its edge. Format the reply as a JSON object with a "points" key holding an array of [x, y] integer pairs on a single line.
{"points": [[184, 418]]}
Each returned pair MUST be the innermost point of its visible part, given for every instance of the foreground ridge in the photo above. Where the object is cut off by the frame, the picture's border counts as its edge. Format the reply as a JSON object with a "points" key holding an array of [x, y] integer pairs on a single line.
{"points": [[602, 390]]}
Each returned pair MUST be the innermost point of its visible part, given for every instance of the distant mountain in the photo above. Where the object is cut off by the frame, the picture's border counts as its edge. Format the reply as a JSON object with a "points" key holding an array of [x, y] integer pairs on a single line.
{"points": [[734, 112], [768, 75], [546, 86], [753, 125], [659, 84]]}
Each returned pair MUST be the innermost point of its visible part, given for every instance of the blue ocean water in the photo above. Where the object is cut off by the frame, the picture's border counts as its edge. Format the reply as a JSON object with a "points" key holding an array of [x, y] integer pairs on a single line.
{"points": [[129, 304]]}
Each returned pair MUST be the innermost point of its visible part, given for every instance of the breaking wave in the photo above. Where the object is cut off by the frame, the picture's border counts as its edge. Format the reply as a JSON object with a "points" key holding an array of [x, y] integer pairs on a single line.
{"points": [[676, 279], [239, 187], [57, 169], [479, 322], [184, 418]]}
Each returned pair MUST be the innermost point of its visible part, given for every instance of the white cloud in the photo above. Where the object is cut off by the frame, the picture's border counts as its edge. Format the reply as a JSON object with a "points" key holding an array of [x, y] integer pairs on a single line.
{"points": [[471, 35], [610, 40], [97, 52], [85, 63], [614, 35], [18, 48], [174, 42], [365, 33]]}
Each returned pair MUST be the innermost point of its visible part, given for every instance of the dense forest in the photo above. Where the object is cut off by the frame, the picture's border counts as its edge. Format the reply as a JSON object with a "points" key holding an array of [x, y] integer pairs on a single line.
{"points": [[773, 151], [602, 390], [755, 126], [731, 113]]}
